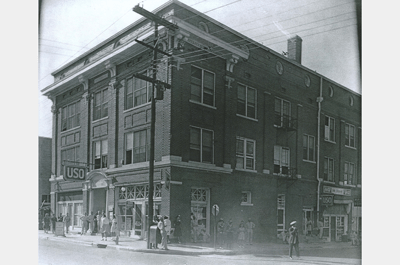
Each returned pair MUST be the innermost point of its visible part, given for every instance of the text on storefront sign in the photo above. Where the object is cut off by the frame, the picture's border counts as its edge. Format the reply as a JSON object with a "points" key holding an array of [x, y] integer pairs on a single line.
{"points": [[337, 191], [75, 173]]}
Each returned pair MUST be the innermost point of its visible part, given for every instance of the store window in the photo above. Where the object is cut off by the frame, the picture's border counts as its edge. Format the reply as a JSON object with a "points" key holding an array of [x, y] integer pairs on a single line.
{"points": [[137, 146], [202, 87], [308, 148], [70, 116], [281, 160], [100, 151], [201, 145], [100, 105], [350, 135], [247, 101], [245, 153]]}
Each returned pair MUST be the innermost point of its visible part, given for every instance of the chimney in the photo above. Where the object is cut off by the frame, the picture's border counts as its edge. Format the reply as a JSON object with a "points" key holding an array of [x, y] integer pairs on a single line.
{"points": [[294, 48]]}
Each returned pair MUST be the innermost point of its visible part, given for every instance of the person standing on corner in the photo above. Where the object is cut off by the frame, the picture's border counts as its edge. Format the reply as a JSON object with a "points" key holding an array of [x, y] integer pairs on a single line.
{"points": [[167, 224], [241, 236], [178, 230], [320, 227], [67, 223], [46, 223], [53, 223], [193, 224], [163, 232], [105, 227], [220, 232], [229, 234], [84, 224], [115, 229], [250, 229], [293, 239]]}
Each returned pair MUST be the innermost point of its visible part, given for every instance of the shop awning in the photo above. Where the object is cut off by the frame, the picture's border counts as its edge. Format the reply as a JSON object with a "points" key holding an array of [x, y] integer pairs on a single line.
{"points": [[336, 210]]}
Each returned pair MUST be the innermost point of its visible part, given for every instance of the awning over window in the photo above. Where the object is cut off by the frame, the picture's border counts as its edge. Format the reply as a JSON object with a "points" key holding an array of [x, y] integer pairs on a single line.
{"points": [[336, 210]]}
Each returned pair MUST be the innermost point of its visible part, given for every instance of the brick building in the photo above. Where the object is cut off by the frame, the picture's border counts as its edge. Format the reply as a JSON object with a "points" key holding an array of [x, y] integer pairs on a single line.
{"points": [[242, 126]]}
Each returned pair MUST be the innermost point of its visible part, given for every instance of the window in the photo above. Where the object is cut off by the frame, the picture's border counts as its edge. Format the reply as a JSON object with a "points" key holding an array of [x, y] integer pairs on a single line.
{"points": [[137, 147], [46, 198], [282, 113], [69, 156], [281, 160], [281, 213], [245, 153], [100, 151], [308, 147], [348, 173], [349, 132], [202, 86], [328, 169], [137, 92], [329, 129], [246, 197], [246, 104], [70, 116], [100, 105], [201, 145]]}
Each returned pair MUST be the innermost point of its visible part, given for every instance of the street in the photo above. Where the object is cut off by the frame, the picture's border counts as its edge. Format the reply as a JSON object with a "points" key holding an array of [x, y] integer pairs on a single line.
{"points": [[65, 253]]}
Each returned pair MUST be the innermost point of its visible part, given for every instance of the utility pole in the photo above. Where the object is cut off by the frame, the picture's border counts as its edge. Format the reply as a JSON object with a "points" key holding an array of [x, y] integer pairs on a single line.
{"points": [[155, 86]]}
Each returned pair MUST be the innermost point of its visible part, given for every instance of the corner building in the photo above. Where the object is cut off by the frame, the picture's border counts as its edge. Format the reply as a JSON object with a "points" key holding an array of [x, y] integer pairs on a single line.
{"points": [[242, 126]]}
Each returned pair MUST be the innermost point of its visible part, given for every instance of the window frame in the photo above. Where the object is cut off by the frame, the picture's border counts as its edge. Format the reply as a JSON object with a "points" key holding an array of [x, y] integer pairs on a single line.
{"points": [[201, 145], [246, 101], [103, 156], [245, 156], [280, 160], [349, 178], [103, 105], [308, 148], [248, 196], [148, 88], [328, 128], [63, 154], [327, 169], [74, 118], [202, 87], [347, 136], [146, 147], [281, 114]]}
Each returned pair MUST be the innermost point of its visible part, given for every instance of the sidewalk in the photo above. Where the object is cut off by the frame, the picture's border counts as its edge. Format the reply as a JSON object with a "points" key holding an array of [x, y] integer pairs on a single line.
{"points": [[138, 245]]}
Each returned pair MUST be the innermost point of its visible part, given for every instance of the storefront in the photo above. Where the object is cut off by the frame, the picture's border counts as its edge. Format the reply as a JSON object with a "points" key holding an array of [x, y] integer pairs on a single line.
{"points": [[72, 203], [200, 207]]}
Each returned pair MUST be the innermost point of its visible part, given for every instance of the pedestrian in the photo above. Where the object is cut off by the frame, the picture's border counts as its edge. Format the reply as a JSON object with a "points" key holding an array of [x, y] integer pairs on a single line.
{"points": [[293, 239], [105, 227], [250, 229], [115, 229], [84, 224], [167, 224], [98, 221], [60, 218], [241, 236], [53, 222], [193, 225], [229, 234], [309, 226], [163, 232], [178, 229], [90, 220], [220, 232], [355, 241], [320, 227], [67, 223], [46, 223]]}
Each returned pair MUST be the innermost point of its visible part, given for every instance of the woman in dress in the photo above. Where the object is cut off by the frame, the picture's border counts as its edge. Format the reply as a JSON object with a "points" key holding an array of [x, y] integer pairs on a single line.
{"points": [[115, 229], [241, 234], [178, 230]]}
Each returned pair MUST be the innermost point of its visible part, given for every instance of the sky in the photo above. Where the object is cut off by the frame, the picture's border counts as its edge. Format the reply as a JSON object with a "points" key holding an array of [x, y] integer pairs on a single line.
{"points": [[328, 29]]}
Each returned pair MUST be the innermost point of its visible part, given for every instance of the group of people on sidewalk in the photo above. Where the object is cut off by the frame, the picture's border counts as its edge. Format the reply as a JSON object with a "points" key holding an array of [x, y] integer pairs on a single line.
{"points": [[163, 231], [227, 234]]}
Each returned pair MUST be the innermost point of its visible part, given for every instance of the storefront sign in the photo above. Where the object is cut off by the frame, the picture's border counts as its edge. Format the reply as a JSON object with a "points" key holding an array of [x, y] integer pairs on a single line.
{"points": [[337, 191], [74, 173], [327, 200]]}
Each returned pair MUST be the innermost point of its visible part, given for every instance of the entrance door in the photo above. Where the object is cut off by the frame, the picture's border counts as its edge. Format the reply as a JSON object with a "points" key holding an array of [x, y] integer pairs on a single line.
{"points": [[307, 216], [333, 228], [98, 200]]}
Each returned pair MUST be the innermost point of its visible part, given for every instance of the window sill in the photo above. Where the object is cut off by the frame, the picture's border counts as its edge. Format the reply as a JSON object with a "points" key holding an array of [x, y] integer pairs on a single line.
{"points": [[329, 182], [100, 120], [70, 130], [350, 147], [202, 104], [329, 141], [245, 117], [349, 185], [246, 204], [246, 170], [309, 161], [137, 107]]}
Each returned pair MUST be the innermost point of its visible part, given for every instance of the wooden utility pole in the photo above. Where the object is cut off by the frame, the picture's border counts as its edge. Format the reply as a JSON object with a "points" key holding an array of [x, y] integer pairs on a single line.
{"points": [[155, 83]]}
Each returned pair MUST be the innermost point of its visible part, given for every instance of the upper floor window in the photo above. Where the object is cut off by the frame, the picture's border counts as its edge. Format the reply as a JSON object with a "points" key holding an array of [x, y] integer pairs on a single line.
{"points": [[281, 160], [245, 153], [70, 155], [328, 169], [202, 87], [246, 104], [70, 116], [308, 147], [282, 113], [348, 176], [100, 105], [201, 145], [137, 92], [329, 129], [350, 132], [100, 151], [246, 197], [137, 146]]}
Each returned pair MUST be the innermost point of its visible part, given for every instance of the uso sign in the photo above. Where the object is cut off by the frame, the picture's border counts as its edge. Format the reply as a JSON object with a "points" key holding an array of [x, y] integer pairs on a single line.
{"points": [[74, 173]]}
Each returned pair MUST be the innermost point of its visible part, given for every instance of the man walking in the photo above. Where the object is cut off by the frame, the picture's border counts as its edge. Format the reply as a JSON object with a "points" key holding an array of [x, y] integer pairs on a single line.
{"points": [[249, 229], [293, 239]]}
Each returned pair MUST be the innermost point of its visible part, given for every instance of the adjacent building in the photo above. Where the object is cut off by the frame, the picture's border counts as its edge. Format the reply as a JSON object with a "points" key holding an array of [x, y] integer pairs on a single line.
{"points": [[242, 126], [44, 174]]}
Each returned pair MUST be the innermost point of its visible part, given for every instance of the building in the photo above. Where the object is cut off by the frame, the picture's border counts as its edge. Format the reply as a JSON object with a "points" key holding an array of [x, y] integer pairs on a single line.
{"points": [[44, 174], [243, 127]]}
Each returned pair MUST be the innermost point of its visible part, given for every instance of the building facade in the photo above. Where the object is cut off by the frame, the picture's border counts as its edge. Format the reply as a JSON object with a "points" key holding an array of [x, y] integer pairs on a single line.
{"points": [[242, 127], [44, 174]]}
